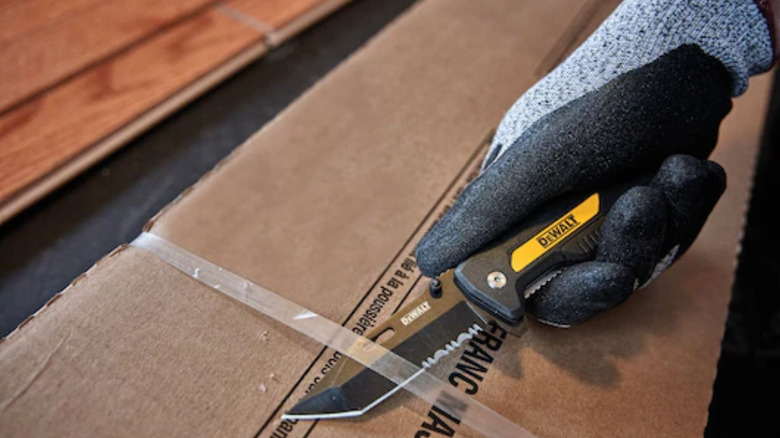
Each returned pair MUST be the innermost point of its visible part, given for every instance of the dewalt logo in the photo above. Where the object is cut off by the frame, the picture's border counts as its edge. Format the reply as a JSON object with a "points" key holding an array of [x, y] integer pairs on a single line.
{"points": [[554, 233], [559, 230]]}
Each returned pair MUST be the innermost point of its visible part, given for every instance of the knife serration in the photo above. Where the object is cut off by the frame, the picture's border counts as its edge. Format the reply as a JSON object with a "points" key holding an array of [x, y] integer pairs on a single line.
{"points": [[452, 346], [423, 331], [541, 282]]}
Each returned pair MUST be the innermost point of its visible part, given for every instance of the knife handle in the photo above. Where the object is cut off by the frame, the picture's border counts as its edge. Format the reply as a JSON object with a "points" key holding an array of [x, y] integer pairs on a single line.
{"points": [[560, 233]]}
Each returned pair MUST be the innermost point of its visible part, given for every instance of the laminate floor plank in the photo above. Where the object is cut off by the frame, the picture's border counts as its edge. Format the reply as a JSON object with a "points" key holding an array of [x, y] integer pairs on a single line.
{"points": [[86, 76], [19, 17], [36, 60], [48, 131]]}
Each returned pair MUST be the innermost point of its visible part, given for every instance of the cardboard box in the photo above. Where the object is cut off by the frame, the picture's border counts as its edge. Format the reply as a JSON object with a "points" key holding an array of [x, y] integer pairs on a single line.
{"points": [[324, 206]]}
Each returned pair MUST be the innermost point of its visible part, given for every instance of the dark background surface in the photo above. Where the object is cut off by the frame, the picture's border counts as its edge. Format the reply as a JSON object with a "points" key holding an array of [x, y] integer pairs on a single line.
{"points": [[50, 244], [746, 399]]}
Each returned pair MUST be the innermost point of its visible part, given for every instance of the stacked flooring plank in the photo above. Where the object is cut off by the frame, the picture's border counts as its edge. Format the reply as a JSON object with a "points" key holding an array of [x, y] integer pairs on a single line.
{"points": [[78, 79]]}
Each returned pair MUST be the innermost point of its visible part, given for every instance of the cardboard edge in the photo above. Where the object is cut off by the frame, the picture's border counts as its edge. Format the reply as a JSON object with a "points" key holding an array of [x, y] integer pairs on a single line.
{"points": [[769, 75], [744, 210], [113, 142], [67, 288]]}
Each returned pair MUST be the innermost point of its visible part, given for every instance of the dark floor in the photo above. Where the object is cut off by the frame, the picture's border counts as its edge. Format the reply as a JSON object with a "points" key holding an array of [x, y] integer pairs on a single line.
{"points": [[745, 402], [44, 248]]}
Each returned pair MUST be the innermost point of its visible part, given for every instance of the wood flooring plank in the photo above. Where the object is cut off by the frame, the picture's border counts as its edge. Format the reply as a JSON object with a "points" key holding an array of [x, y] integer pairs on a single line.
{"points": [[18, 17], [48, 131], [42, 57]]}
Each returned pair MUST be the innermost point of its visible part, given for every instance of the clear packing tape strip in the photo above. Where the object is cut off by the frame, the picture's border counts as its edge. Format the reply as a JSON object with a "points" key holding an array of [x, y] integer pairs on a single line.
{"points": [[390, 365]]}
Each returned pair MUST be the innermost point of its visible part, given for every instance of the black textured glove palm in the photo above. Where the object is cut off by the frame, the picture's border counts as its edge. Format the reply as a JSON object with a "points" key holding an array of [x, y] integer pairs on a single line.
{"points": [[661, 118]]}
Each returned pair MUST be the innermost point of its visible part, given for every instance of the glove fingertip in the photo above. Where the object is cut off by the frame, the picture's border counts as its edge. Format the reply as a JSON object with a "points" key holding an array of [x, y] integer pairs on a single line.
{"points": [[633, 232], [582, 292], [717, 175], [426, 253]]}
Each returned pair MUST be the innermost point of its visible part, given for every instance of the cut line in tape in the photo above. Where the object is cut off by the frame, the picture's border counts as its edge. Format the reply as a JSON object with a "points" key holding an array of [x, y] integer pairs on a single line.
{"points": [[393, 367]]}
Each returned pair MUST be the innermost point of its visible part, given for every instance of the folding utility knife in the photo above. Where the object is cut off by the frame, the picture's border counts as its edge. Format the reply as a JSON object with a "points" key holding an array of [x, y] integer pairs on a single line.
{"points": [[492, 285]]}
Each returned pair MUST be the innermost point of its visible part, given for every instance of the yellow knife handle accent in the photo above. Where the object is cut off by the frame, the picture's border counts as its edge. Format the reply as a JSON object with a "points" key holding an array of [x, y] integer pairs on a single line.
{"points": [[561, 232], [557, 232]]}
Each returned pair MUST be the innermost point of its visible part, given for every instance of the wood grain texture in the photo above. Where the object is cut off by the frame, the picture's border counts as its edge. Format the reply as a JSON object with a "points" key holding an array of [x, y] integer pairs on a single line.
{"points": [[62, 41], [19, 17], [52, 129]]}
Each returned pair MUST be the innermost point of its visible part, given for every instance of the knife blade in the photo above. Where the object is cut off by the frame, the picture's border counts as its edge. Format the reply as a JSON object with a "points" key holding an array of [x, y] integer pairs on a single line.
{"points": [[427, 329], [491, 285]]}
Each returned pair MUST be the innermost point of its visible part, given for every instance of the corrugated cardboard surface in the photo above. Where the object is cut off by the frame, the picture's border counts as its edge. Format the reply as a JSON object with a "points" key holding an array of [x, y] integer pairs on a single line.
{"points": [[324, 206]]}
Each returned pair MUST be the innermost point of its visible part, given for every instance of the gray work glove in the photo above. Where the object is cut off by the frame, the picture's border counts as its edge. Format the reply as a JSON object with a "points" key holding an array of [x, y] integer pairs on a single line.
{"points": [[645, 93]]}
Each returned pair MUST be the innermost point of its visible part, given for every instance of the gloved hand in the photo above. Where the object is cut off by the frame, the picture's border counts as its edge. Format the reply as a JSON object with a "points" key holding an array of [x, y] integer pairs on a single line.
{"points": [[645, 93]]}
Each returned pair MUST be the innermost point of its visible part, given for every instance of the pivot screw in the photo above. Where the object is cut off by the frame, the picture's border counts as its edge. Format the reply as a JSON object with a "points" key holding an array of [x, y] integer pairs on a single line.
{"points": [[435, 288], [496, 280]]}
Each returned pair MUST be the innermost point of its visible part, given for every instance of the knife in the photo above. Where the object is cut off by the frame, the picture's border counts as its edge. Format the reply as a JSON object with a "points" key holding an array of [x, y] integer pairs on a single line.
{"points": [[491, 285]]}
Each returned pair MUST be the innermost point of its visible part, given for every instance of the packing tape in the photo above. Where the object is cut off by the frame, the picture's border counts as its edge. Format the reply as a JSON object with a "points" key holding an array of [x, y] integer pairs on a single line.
{"points": [[372, 355]]}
